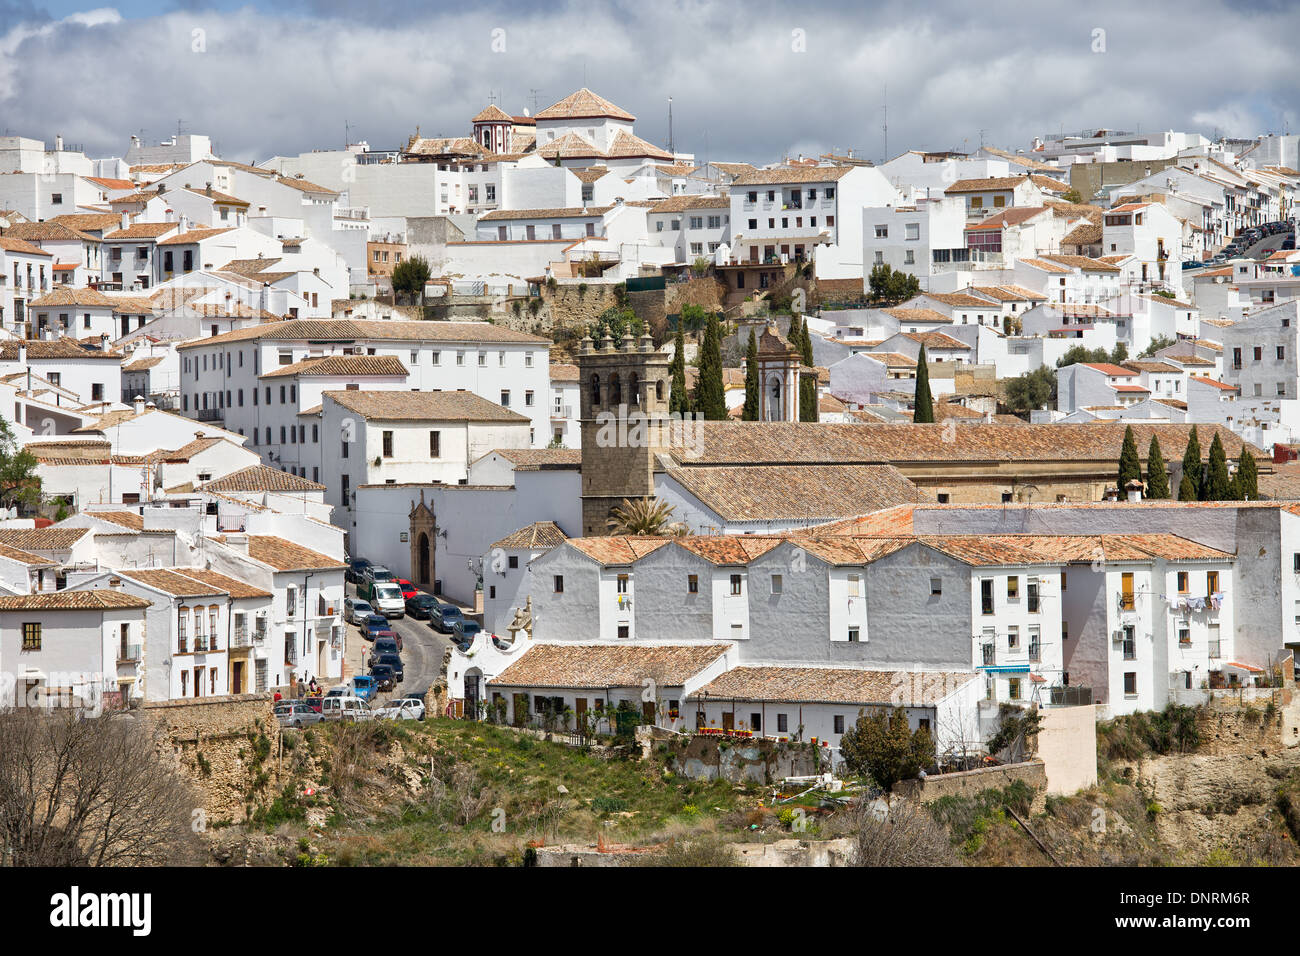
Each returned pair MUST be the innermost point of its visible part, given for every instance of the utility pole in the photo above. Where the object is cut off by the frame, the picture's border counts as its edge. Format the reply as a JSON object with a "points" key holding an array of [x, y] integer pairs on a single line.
{"points": [[670, 125], [884, 128], [532, 95]]}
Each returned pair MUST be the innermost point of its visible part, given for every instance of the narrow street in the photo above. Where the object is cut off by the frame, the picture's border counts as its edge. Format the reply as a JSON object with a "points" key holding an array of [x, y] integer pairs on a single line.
{"points": [[422, 652]]}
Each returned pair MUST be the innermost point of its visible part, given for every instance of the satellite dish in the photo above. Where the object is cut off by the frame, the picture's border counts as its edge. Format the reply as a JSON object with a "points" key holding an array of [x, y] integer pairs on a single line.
{"points": [[526, 113]]}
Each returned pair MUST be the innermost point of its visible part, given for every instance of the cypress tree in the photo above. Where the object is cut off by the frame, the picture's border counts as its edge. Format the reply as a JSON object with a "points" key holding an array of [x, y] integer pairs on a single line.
{"points": [[1157, 476], [1217, 482], [710, 398], [924, 413], [1192, 467], [1186, 490], [680, 400], [1130, 467], [750, 411], [808, 410], [1247, 476]]}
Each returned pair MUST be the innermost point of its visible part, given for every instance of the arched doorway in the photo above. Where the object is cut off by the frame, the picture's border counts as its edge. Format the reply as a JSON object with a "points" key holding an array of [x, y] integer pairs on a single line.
{"points": [[421, 534], [473, 692]]}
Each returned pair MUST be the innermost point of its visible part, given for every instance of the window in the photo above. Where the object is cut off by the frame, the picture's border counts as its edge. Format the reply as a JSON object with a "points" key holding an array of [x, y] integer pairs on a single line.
{"points": [[936, 587], [839, 723], [505, 397], [986, 596], [559, 584], [528, 398], [1013, 588], [1062, 580], [1128, 641], [1281, 352], [388, 444], [622, 583], [912, 230], [1035, 644], [778, 584], [435, 444], [1031, 587], [692, 584], [1126, 602], [32, 636], [1130, 684], [1184, 634], [1211, 583], [1183, 577], [882, 232], [1013, 638], [735, 584], [855, 585], [782, 723], [482, 359], [1013, 688], [855, 635]]}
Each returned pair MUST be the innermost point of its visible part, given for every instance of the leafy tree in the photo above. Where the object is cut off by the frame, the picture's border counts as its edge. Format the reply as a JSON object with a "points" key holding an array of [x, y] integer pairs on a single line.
{"points": [[883, 747], [1217, 482], [1157, 343], [20, 486], [1130, 468], [1072, 195], [410, 276], [750, 412], [891, 286], [644, 516], [1157, 475], [616, 322], [1080, 355], [924, 413], [710, 397], [692, 317], [1032, 390], [1247, 477], [679, 400], [1119, 354], [1192, 467]]}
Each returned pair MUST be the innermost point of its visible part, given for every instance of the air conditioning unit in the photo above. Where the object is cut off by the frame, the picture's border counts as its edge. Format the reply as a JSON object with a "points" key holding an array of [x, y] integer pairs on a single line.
{"points": [[1119, 636]]}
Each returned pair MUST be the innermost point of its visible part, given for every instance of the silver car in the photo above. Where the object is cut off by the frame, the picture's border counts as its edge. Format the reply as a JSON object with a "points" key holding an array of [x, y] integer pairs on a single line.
{"points": [[356, 611], [293, 713]]}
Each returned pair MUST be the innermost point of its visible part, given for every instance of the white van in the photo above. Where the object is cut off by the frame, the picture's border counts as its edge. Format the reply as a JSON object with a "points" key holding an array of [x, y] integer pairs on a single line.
{"points": [[341, 707], [386, 598]]}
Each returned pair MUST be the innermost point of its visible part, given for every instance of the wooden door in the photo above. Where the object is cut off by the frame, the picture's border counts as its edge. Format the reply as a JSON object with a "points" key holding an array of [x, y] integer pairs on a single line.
{"points": [[728, 721], [237, 677]]}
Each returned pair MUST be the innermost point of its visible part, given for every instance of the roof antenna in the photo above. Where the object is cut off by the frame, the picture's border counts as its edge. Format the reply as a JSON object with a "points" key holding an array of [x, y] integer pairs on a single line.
{"points": [[670, 126]]}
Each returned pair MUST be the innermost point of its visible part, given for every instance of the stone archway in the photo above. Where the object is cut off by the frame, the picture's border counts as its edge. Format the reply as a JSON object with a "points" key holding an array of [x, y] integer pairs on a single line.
{"points": [[422, 535]]}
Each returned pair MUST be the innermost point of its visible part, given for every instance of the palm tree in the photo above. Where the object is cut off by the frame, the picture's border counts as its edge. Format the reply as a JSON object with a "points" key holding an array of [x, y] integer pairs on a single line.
{"points": [[644, 516]]}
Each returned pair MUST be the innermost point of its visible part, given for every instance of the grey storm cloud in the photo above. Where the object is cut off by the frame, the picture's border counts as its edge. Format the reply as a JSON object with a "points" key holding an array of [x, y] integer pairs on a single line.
{"points": [[754, 82]]}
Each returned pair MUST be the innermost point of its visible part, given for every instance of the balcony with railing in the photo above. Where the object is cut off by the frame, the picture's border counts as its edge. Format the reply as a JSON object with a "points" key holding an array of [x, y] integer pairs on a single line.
{"points": [[241, 637], [128, 653]]}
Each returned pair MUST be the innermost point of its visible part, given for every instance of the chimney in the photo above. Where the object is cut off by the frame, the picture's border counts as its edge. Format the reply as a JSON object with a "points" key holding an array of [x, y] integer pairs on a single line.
{"points": [[58, 142], [208, 189], [1134, 489], [22, 354], [103, 342], [126, 219], [139, 404], [237, 541]]}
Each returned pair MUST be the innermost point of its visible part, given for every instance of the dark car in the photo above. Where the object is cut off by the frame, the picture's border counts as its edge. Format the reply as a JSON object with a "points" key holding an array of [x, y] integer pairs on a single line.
{"points": [[383, 676], [388, 645], [419, 605], [443, 617], [464, 633], [376, 625], [391, 660], [357, 570]]}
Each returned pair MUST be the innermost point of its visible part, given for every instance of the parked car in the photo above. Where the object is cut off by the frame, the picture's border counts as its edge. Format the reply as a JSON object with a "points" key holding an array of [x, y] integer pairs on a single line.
{"points": [[418, 606], [402, 708], [355, 611], [387, 645], [383, 676], [387, 598], [464, 632], [408, 589], [356, 572], [363, 686], [347, 708], [392, 660], [310, 701], [375, 574], [443, 617], [376, 625], [296, 713]]}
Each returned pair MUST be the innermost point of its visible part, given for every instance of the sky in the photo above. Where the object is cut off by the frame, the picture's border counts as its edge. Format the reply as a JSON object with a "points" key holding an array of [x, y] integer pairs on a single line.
{"points": [[754, 82]]}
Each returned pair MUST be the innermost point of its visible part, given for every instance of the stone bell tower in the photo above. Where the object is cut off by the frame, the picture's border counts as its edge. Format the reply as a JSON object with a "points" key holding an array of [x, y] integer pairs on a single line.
{"points": [[624, 415]]}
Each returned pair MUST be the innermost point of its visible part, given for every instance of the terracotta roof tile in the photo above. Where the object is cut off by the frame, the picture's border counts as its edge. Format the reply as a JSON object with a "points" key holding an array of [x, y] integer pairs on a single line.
{"points": [[423, 406], [834, 685], [348, 365], [599, 666], [542, 534], [96, 599], [260, 478], [285, 555]]}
